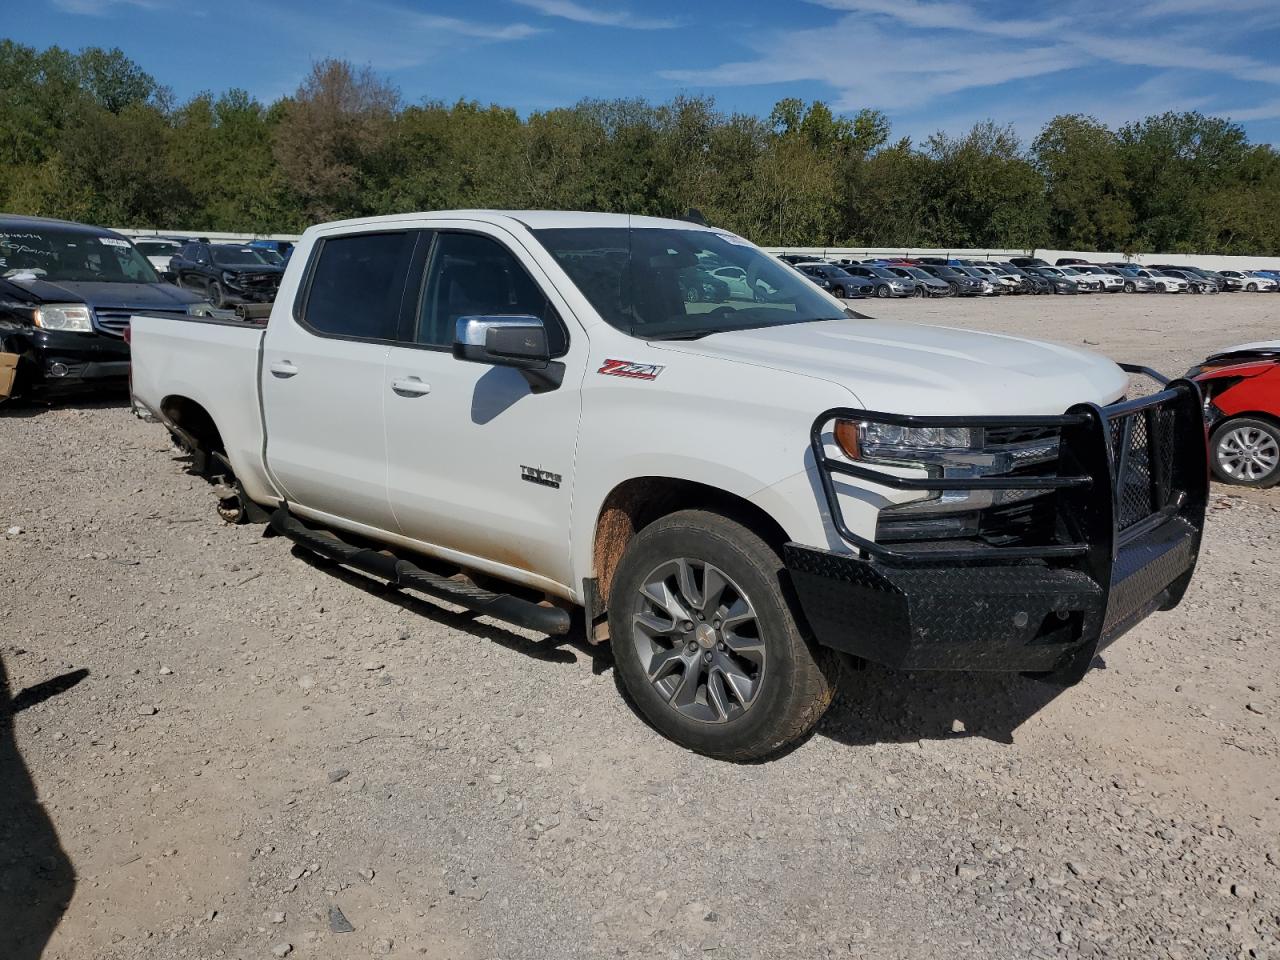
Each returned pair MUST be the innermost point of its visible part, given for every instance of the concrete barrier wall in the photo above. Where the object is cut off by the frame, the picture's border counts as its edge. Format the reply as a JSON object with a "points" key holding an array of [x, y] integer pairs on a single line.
{"points": [[212, 236]]}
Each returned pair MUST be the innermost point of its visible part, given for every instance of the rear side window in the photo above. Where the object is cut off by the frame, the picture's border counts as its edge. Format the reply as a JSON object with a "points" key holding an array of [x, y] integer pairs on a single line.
{"points": [[357, 284]]}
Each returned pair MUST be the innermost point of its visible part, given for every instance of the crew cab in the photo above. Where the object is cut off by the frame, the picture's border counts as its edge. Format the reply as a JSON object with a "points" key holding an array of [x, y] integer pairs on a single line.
{"points": [[66, 293], [526, 414]]}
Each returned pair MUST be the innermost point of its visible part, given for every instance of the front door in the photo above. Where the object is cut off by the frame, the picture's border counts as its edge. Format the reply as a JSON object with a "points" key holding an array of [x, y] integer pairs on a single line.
{"points": [[322, 378], [479, 465]]}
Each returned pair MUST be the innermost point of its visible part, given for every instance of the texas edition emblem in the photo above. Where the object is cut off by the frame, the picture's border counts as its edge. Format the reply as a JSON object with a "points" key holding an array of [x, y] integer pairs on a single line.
{"points": [[544, 477]]}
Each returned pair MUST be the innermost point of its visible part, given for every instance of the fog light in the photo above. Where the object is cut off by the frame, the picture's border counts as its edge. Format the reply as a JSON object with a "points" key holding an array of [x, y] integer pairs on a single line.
{"points": [[58, 370]]}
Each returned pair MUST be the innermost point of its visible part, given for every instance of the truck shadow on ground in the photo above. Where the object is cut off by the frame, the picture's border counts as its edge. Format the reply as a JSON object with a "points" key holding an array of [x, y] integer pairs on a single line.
{"points": [[875, 704], [36, 875], [547, 649], [880, 705]]}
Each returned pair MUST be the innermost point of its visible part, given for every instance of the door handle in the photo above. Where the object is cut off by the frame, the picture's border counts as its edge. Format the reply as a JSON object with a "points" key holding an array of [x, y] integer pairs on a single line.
{"points": [[283, 369], [410, 387]]}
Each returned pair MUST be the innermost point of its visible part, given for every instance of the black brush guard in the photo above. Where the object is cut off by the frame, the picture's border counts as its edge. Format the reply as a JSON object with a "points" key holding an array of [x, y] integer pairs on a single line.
{"points": [[1131, 488]]}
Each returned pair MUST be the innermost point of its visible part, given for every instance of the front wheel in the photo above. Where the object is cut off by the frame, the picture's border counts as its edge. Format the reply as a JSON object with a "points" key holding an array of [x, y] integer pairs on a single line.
{"points": [[1130, 287], [838, 293], [883, 291], [705, 641], [216, 295], [1246, 452], [1251, 287]]}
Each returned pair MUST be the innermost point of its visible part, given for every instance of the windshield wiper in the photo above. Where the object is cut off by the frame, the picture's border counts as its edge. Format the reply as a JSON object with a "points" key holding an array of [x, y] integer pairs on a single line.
{"points": [[684, 335]]}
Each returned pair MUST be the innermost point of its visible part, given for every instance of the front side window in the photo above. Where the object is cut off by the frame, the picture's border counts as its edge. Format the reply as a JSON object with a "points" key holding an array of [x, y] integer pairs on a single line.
{"points": [[55, 255], [471, 275], [357, 284], [648, 282]]}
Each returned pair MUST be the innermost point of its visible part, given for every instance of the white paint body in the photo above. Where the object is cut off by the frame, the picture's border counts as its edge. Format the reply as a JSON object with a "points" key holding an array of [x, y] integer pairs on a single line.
{"points": [[440, 472]]}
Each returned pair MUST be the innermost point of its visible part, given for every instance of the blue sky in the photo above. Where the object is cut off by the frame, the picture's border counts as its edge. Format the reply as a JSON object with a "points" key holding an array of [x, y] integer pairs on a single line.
{"points": [[929, 64]]}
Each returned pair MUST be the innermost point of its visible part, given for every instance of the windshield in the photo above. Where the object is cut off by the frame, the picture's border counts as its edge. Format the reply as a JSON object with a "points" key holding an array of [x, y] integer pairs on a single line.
{"points": [[59, 255], [915, 272], [657, 284], [226, 256], [156, 248], [1069, 272], [947, 272]]}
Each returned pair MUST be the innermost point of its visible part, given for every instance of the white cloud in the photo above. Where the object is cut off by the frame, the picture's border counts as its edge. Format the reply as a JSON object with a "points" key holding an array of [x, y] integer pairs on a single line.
{"points": [[905, 55], [101, 8], [479, 30], [580, 13]]}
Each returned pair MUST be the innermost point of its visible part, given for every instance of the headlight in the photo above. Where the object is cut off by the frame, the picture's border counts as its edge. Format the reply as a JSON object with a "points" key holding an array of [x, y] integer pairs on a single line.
{"points": [[956, 452], [230, 279], [65, 316], [908, 446]]}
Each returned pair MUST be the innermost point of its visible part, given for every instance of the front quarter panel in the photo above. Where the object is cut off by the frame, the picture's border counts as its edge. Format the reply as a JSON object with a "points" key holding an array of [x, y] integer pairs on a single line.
{"points": [[729, 425]]}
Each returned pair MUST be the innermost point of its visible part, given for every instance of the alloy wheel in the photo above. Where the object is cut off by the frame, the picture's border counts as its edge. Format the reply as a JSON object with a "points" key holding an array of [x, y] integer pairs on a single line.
{"points": [[1249, 454], [698, 639]]}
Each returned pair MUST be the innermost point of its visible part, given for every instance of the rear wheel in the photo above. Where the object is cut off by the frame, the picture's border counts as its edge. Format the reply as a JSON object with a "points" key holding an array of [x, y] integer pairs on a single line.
{"points": [[1246, 451], [706, 643]]}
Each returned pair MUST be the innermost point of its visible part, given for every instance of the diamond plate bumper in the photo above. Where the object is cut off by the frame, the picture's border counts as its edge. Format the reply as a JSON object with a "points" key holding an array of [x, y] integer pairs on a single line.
{"points": [[1026, 618]]}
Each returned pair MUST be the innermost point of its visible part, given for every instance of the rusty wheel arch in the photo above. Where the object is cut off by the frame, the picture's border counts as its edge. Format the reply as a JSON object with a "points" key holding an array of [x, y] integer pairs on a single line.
{"points": [[634, 504]]}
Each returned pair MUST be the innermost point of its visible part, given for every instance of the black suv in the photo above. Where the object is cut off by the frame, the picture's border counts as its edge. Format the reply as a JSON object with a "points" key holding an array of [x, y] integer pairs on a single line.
{"points": [[227, 273], [66, 294]]}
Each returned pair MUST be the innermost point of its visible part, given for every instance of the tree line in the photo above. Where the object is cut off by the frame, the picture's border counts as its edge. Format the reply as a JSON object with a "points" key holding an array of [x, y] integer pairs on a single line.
{"points": [[91, 136]]}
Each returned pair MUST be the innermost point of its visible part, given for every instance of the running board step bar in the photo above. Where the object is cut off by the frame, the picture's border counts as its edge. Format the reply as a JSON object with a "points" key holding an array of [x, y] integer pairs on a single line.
{"points": [[402, 573]]}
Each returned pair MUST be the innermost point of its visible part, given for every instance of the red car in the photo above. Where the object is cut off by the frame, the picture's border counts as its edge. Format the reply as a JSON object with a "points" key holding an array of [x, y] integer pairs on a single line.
{"points": [[1242, 406]]}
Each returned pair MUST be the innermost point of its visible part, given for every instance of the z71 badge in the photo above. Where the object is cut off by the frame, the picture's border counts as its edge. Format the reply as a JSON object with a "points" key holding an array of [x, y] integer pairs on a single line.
{"points": [[630, 369]]}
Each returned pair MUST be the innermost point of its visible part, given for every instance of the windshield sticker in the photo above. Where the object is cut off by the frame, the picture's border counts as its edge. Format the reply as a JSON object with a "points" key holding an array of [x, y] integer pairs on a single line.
{"points": [[734, 239], [113, 242], [630, 370]]}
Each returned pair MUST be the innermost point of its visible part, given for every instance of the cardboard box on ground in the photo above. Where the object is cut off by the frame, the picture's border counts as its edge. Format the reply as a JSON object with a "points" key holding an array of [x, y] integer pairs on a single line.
{"points": [[8, 372]]}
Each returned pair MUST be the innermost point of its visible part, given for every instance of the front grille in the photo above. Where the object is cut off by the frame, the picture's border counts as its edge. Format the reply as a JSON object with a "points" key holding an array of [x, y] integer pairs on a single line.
{"points": [[112, 322], [1142, 450]]}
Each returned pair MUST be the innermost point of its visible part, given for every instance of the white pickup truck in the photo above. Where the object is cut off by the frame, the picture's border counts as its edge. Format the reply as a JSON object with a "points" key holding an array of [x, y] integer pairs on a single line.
{"points": [[530, 413]]}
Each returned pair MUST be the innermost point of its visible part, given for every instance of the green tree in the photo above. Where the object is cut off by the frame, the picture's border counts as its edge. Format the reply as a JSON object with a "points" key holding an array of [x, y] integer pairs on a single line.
{"points": [[1088, 192]]}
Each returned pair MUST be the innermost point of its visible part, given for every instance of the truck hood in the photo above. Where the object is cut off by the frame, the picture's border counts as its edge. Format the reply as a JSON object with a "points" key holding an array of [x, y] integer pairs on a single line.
{"points": [[109, 296], [925, 370]]}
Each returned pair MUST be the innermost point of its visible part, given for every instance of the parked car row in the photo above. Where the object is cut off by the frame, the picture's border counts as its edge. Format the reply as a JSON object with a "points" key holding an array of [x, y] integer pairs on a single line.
{"points": [[943, 276]]}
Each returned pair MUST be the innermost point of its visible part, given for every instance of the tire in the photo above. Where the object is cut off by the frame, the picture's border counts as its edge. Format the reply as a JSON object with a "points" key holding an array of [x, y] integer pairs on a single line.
{"points": [[917, 291], [883, 291], [787, 682], [954, 287], [1130, 287], [838, 293], [1251, 287], [1245, 451], [216, 295]]}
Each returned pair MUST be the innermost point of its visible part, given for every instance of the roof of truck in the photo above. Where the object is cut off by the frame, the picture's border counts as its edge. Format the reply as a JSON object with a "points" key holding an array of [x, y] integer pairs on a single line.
{"points": [[533, 219]]}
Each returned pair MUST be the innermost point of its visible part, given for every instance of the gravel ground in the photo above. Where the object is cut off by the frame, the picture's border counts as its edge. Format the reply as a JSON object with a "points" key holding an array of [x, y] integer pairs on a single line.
{"points": [[228, 741]]}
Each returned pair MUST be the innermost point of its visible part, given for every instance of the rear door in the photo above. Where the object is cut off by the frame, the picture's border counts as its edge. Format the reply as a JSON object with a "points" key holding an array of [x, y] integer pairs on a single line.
{"points": [[323, 376]]}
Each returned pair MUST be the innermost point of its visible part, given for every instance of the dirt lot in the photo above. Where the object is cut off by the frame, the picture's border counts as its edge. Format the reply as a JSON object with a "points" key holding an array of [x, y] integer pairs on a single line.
{"points": [[228, 741]]}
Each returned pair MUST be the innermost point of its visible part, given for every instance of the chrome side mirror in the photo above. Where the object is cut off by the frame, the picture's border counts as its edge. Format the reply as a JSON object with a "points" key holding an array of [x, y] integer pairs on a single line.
{"points": [[518, 341]]}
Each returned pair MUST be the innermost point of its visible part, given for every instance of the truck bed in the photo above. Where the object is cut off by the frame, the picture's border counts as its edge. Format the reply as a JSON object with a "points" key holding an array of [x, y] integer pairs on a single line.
{"points": [[216, 364]]}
